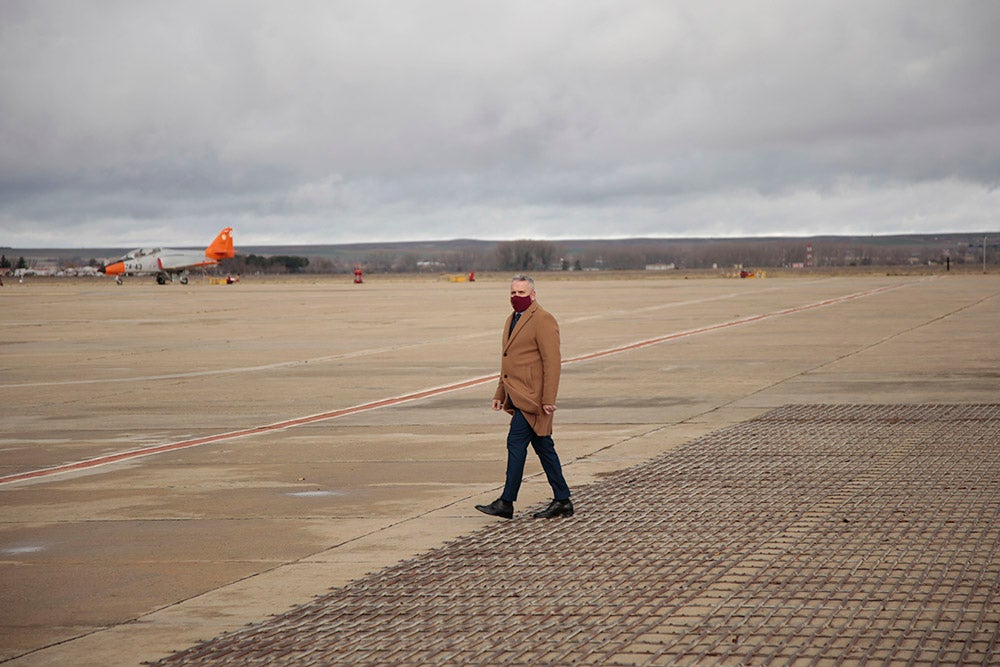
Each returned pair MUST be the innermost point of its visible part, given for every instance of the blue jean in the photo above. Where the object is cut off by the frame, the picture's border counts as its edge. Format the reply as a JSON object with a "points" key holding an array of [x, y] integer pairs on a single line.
{"points": [[518, 437]]}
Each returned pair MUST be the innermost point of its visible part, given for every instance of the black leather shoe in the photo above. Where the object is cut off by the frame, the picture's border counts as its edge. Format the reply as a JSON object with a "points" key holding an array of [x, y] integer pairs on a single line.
{"points": [[498, 507], [556, 508]]}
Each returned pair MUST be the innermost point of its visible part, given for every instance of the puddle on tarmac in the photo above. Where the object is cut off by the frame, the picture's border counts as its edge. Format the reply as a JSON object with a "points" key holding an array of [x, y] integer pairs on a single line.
{"points": [[29, 549], [314, 494]]}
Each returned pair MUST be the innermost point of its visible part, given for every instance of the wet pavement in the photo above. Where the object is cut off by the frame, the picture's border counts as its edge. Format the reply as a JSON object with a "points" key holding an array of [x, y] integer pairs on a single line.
{"points": [[811, 535]]}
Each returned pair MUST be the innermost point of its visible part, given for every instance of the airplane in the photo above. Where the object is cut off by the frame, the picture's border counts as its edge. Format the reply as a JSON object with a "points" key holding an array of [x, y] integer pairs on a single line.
{"points": [[167, 264]]}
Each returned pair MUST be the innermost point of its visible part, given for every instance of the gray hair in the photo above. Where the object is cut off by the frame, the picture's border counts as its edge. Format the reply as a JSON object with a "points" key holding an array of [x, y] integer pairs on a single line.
{"points": [[519, 278]]}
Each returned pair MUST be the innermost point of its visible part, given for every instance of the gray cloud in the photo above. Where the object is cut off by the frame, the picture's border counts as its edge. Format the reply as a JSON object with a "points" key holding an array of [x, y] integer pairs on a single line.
{"points": [[158, 122]]}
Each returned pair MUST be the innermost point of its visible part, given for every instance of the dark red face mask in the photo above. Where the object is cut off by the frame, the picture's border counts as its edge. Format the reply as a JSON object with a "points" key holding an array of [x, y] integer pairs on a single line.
{"points": [[520, 303]]}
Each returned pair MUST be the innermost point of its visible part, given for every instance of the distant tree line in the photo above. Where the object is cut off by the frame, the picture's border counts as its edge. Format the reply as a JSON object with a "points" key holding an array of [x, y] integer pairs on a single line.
{"points": [[629, 255], [5, 263], [265, 264], [526, 255]]}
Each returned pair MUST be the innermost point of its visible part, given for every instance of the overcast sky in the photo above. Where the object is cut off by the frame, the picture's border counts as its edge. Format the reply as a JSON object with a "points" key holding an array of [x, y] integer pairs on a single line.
{"points": [[146, 123]]}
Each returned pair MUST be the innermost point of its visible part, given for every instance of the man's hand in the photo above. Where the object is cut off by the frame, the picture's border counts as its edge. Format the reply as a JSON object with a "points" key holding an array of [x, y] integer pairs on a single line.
{"points": [[548, 409], [497, 405]]}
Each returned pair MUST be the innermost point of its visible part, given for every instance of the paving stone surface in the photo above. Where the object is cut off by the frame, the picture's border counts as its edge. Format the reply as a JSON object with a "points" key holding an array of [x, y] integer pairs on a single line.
{"points": [[812, 535]]}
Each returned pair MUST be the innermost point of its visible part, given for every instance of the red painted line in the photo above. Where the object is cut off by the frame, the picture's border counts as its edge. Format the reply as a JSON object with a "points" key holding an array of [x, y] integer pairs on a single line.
{"points": [[416, 396], [231, 435]]}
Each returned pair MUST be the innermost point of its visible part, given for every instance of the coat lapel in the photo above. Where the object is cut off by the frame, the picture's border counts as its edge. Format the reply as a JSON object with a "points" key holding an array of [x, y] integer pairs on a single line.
{"points": [[525, 316]]}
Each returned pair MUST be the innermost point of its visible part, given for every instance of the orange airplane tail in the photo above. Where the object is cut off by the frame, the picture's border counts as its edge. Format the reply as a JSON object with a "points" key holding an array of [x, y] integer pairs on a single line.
{"points": [[222, 246]]}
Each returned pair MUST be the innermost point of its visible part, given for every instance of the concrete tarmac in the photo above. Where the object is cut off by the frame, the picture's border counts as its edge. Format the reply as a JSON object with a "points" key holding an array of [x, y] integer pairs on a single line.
{"points": [[313, 431]]}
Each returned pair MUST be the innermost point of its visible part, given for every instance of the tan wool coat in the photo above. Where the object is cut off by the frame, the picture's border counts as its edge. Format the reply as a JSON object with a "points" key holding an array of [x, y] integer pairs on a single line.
{"points": [[530, 363]]}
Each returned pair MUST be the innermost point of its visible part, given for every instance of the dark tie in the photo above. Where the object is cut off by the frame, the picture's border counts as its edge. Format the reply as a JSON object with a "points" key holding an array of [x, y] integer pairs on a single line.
{"points": [[513, 323]]}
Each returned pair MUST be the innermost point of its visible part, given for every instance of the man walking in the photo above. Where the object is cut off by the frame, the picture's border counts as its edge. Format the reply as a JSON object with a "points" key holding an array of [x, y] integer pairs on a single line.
{"points": [[529, 380]]}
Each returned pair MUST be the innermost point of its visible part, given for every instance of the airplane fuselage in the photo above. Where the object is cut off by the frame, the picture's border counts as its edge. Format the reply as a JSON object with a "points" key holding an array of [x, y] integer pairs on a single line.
{"points": [[167, 263], [163, 260]]}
